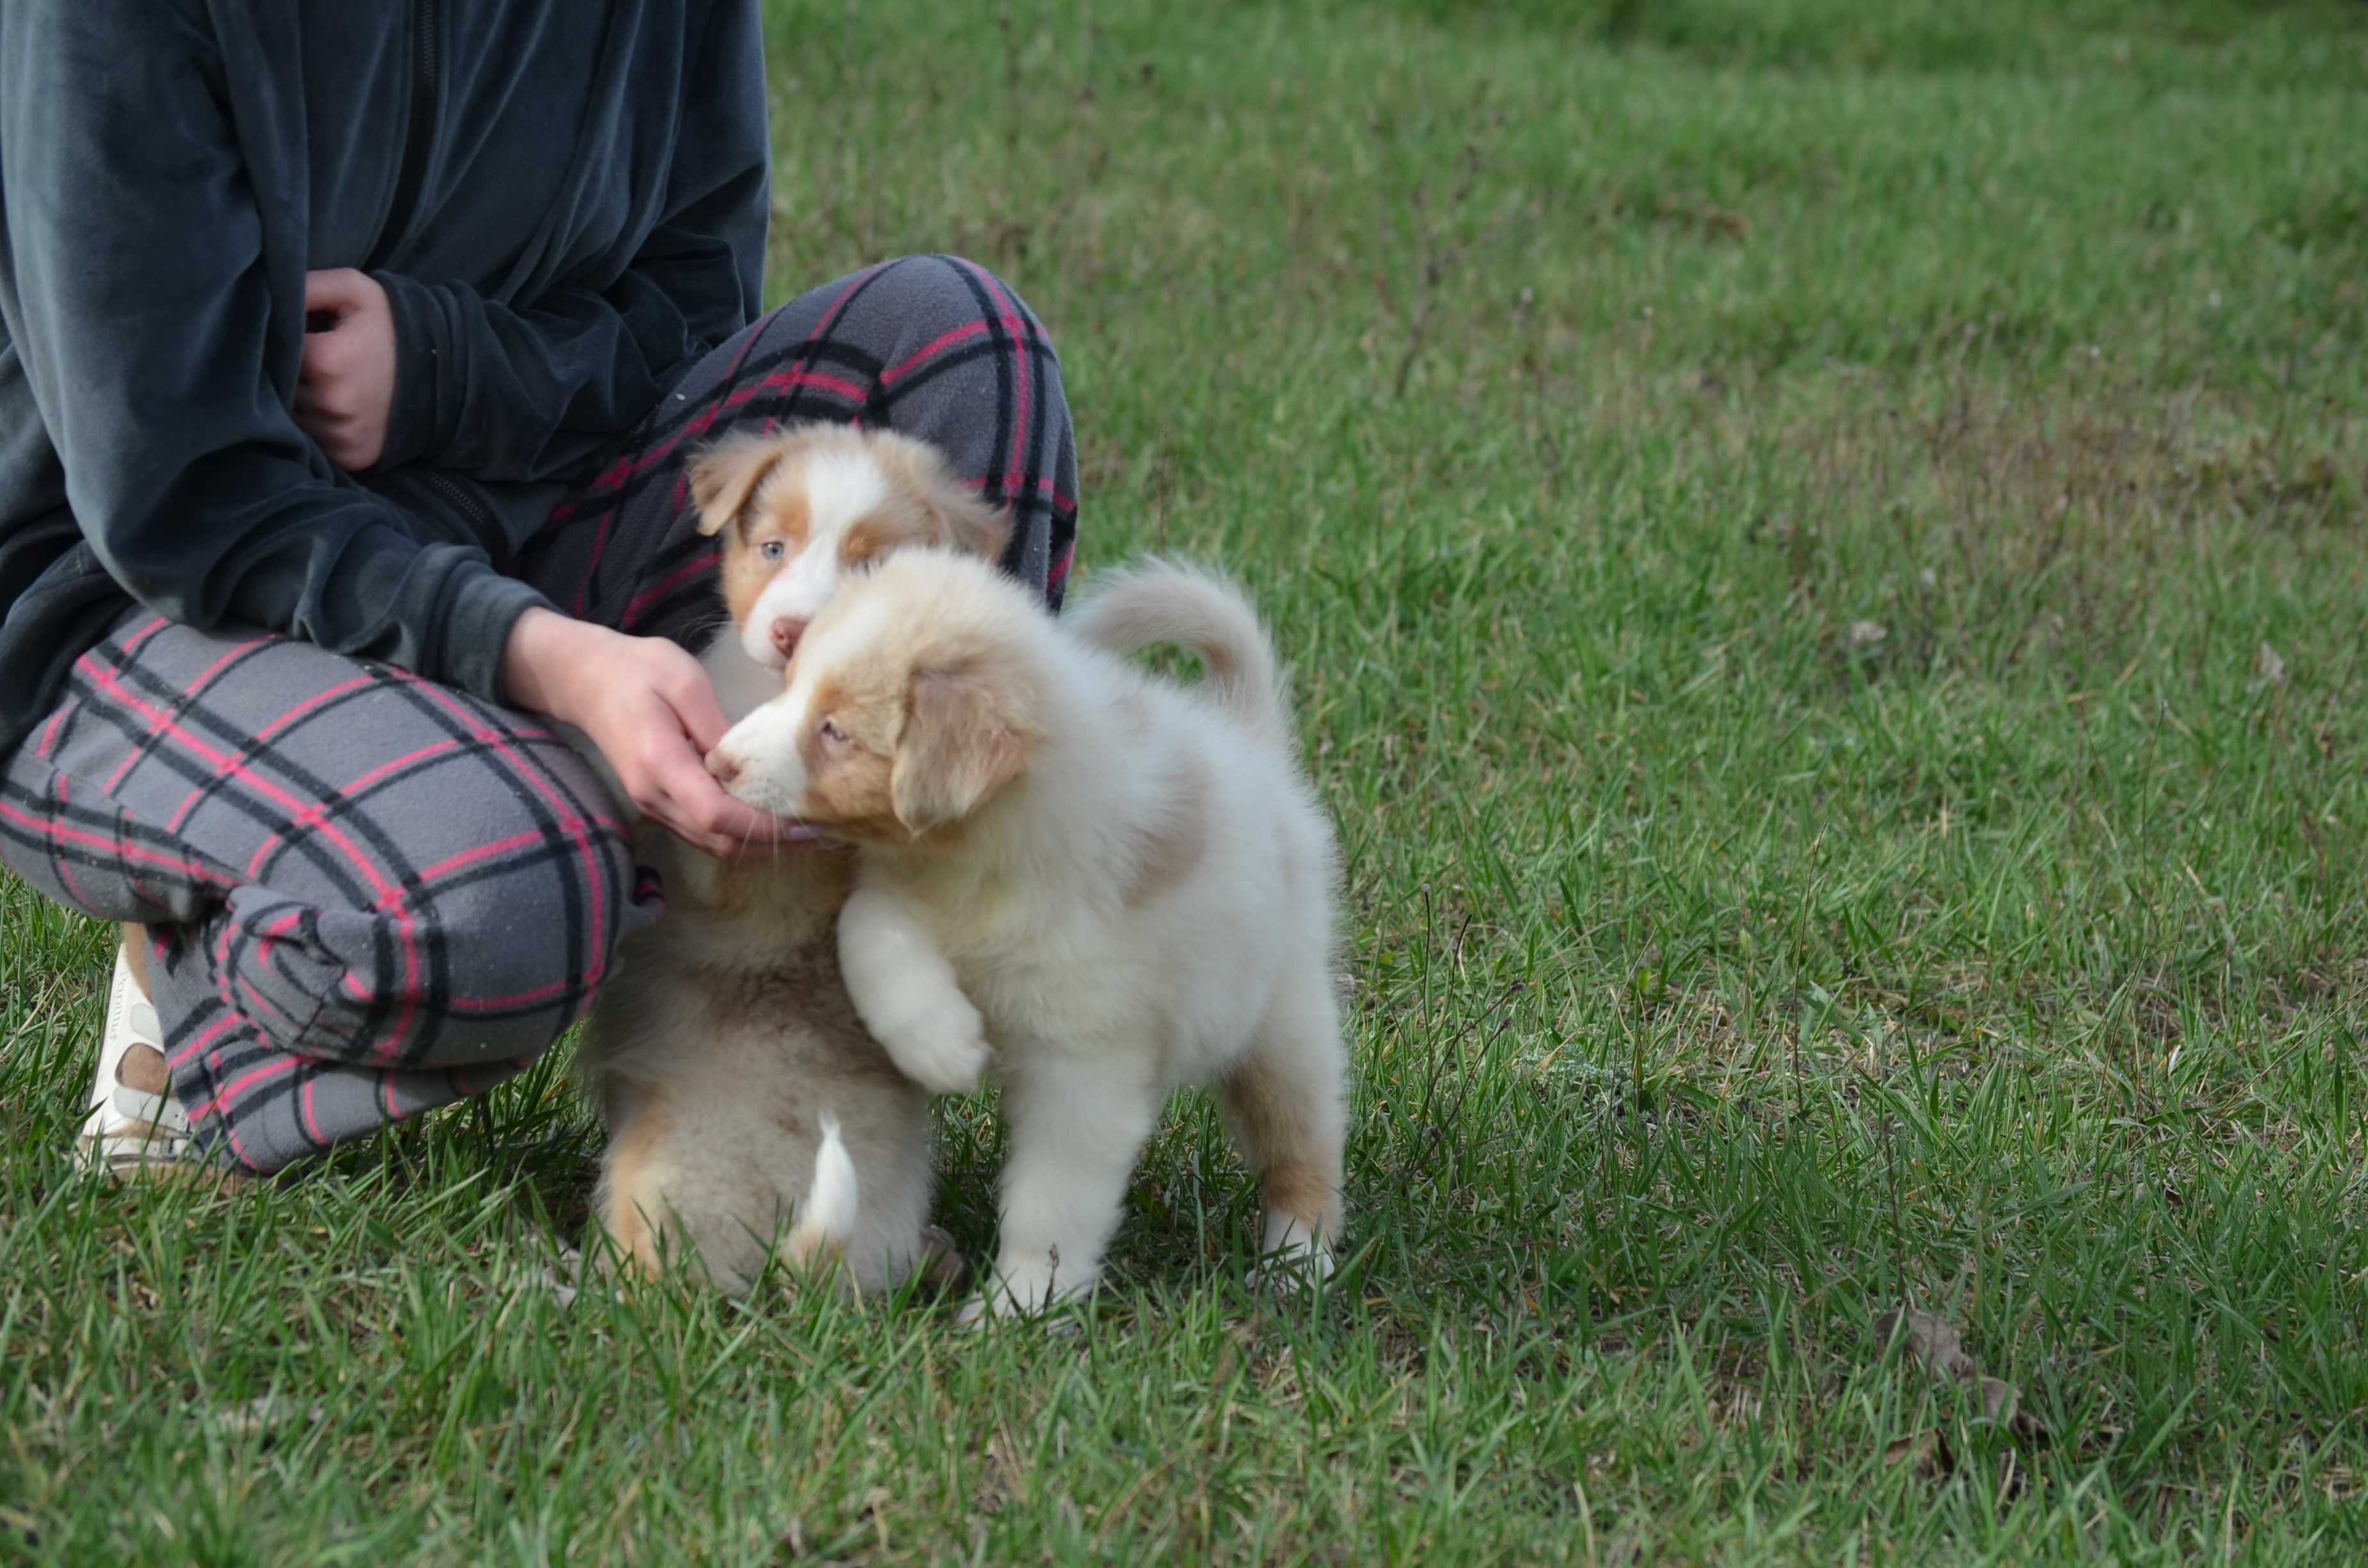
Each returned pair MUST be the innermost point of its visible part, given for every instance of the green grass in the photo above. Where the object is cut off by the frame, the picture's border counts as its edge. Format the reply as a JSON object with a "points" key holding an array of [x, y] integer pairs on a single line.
{"points": [[1727, 970]]}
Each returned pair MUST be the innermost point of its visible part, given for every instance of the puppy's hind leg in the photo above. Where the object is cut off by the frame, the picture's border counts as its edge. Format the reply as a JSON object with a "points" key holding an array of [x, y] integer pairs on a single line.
{"points": [[1286, 1101]]}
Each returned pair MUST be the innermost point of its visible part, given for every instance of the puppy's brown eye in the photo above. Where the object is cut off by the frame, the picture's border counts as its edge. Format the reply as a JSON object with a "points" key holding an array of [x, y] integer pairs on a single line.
{"points": [[833, 734]]}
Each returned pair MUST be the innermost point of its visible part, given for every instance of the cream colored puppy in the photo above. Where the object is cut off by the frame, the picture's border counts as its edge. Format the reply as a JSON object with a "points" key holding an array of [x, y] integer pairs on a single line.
{"points": [[1123, 884], [743, 1095]]}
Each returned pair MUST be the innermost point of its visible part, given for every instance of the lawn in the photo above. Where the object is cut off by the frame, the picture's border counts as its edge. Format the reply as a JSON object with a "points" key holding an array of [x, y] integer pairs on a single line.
{"points": [[1822, 546]]}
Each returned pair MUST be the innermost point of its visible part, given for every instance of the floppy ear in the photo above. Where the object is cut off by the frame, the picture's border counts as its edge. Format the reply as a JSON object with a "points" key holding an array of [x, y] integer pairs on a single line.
{"points": [[960, 517], [725, 475], [969, 731], [965, 520]]}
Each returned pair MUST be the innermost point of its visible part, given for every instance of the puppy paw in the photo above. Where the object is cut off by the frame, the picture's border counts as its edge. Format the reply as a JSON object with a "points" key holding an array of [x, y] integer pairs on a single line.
{"points": [[1295, 1259], [978, 1309], [1023, 1292], [941, 1047]]}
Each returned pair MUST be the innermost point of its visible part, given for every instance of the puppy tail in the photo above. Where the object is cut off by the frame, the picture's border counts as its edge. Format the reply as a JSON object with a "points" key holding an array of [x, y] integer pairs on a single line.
{"points": [[1166, 602], [825, 1223]]}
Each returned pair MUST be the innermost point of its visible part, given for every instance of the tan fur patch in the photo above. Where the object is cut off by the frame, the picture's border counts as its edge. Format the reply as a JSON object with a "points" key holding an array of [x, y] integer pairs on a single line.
{"points": [[1306, 1191], [952, 514], [1297, 1176], [1175, 846], [635, 1209], [779, 514], [849, 783], [896, 523]]}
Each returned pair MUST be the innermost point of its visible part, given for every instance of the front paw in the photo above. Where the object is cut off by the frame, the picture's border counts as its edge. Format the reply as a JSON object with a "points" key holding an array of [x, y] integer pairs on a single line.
{"points": [[1025, 1288], [1003, 1304], [943, 1048]]}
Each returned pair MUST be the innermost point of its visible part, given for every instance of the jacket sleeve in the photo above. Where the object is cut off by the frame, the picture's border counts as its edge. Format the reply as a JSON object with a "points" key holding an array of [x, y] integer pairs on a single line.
{"points": [[529, 393], [162, 365]]}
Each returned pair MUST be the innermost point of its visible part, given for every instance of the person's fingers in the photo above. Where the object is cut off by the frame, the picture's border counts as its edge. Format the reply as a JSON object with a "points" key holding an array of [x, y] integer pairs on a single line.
{"points": [[338, 292], [696, 808], [704, 804], [691, 694]]}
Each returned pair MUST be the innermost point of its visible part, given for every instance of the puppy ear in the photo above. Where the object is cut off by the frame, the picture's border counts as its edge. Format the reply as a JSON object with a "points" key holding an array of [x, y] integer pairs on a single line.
{"points": [[969, 731], [725, 475], [966, 521], [960, 517]]}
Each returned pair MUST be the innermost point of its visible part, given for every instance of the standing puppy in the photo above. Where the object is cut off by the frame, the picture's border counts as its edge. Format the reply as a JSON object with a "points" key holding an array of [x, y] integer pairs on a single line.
{"points": [[740, 1086], [1123, 883]]}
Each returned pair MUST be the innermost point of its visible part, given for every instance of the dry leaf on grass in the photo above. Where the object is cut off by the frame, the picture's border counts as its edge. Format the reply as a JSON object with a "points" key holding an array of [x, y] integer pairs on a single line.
{"points": [[1934, 1345], [1929, 1451]]}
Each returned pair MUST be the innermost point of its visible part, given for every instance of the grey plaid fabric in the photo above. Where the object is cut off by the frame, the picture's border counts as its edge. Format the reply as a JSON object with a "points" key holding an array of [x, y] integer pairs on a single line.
{"points": [[370, 896]]}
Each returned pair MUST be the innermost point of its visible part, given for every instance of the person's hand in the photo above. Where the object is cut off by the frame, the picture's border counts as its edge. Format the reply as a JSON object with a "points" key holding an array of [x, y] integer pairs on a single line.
{"points": [[652, 712], [346, 386]]}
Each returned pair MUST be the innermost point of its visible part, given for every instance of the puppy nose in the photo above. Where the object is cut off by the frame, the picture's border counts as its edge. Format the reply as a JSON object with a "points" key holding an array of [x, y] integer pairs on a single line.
{"points": [[786, 633], [723, 766]]}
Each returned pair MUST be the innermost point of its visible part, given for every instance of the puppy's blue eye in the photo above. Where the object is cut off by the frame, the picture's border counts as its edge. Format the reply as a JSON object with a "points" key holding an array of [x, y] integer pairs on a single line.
{"points": [[772, 549]]}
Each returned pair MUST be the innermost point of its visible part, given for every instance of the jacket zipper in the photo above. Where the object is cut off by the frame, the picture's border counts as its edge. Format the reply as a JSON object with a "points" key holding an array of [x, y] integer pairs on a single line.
{"points": [[471, 511], [413, 172]]}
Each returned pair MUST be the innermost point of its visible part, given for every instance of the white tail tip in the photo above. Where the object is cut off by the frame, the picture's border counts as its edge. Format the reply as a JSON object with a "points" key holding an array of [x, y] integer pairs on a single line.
{"points": [[827, 1219]]}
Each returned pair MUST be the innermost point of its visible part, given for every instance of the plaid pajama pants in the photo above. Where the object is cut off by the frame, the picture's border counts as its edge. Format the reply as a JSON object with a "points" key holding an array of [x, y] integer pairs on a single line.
{"points": [[369, 895]]}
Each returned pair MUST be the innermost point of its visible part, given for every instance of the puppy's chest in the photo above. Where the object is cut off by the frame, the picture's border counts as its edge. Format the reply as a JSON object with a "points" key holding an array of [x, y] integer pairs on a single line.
{"points": [[800, 989], [789, 898]]}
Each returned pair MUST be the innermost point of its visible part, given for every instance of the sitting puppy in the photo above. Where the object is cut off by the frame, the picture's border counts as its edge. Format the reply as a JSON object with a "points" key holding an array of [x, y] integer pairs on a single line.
{"points": [[725, 1045], [1131, 879]]}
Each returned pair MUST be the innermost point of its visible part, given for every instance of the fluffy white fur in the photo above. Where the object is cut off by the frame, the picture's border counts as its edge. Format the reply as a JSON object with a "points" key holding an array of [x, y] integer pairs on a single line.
{"points": [[1112, 884]]}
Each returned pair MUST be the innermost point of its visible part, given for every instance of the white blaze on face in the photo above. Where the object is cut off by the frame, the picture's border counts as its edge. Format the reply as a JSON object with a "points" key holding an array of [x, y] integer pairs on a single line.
{"points": [[772, 776], [840, 489]]}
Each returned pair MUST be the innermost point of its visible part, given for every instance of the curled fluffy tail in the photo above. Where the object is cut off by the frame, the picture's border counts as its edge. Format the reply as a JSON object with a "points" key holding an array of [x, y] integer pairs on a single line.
{"points": [[825, 1223], [1162, 601]]}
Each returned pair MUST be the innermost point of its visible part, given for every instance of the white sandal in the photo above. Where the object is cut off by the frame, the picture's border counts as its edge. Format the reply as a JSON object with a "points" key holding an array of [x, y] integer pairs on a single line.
{"points": [[131, 1130]]}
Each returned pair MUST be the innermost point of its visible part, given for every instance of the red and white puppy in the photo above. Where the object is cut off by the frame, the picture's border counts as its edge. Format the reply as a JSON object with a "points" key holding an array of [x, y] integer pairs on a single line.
{"points": [[1117, 883], [800, 512]]}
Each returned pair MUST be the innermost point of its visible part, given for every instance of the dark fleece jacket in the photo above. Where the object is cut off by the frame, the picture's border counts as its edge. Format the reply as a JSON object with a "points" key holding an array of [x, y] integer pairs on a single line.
{"points": [[566, 200]]}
